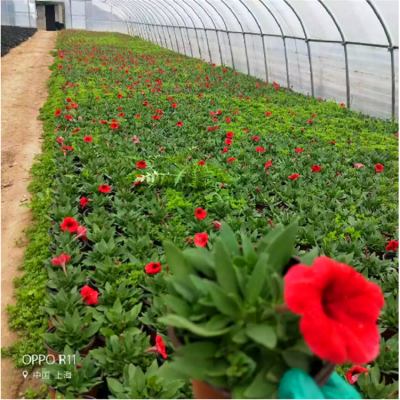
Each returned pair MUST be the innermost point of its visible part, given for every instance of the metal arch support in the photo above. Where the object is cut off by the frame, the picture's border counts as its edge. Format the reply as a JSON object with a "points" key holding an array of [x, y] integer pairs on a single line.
{"points": [[262, 39], [121, 15], [194, 27], [129, 13], [173, 30], [161, 25], [146, 24], [177, 22], [215, 27], [346, 58], [307, 43], [184, 23], [283, 39], [391, 50], [243, 33], [226, 29], [204, 27], [146, 12]]}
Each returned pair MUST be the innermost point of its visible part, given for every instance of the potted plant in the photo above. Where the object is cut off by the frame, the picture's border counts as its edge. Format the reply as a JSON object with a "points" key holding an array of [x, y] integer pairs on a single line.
{"points": [[123, 350], [76, 376], [64, 302], [74, 330], [116, 320], [150, 384], [241, 316], [128, 296], [150, 318]]}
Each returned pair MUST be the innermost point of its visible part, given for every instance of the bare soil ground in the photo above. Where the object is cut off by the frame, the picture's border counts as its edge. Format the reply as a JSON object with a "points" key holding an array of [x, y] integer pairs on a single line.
{"points": [[24, 74]]}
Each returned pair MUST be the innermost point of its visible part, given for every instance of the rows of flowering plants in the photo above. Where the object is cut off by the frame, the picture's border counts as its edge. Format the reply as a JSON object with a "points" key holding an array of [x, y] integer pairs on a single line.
{"points": [[151, 146]]}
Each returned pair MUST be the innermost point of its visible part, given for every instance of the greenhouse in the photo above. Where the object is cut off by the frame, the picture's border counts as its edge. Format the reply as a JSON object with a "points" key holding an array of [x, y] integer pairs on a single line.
{"points": [[200, 199]]}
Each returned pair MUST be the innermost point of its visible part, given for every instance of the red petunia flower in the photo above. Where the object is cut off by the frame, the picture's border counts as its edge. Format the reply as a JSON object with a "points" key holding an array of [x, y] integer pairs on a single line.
{"points": [[160, 346], [141, 164], [228, 120], [379, 167], [104, 189], [153, 268], [268, 113], [393, 245], [230, 135], [83, 202], [90, 296], [174, 105], [201, 162], [319, 99], [200, 213], [225, 149], [333, 143], [76, 130], [137, 183], [298, 150], [69, 117], [338, 173], [114, 125], [293, 177], [179, 123], [260, 150], [228, 141], [81, 233], [339, 309], [121, 115], [201, 239], [61, 261], [137, 116], [69, 224], [255, 138], [231, 159], [354, 372], [60, 140], [358, 165], [268, 164], [342, 105], [57, 112], [316, 168], [88, 139]]}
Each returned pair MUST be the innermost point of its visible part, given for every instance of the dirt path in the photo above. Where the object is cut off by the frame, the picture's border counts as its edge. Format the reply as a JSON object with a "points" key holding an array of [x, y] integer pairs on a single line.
{"points": [[24, 74]]}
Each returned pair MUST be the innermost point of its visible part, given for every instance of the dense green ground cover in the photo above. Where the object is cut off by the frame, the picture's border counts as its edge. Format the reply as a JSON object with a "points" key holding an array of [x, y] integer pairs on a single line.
{"points": [[147, 137]]}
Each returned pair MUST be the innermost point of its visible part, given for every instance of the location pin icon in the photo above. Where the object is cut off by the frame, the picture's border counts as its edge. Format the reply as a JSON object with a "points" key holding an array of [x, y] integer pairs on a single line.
{"points": [[25, 374]]}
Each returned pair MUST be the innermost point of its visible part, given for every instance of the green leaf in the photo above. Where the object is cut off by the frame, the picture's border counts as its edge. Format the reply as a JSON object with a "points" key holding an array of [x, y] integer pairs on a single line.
{"points": [[262, 334], [225, 272], [200, 349], [228, 238], [248, 247], [202, 260], [260, 388], [280, 249], [308, 259], [176, 260], [115, 386], [179, 322], [222, 302], [257, 279], [297, 359], [177, 305]]}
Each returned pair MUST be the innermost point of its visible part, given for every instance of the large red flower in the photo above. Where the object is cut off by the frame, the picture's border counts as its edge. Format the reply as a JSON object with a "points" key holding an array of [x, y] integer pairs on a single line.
{"points": [[260, 150], [179, 123], [114, 125], [83, 202], [298, 150], [104, 189], [200, 213], [339, 309], [393, 245], [153, 268], [61, 261], [88, 139], [57, 112], [201, 239], [231, 159], [316, 168], [293, 177], [90, 296], [69, 224], [230, 135], [268, 164], [379, 167], [141, 164]]}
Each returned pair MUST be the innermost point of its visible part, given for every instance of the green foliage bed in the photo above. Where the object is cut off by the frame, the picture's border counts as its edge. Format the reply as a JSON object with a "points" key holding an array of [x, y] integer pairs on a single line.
{"points": [[251, 154]]}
